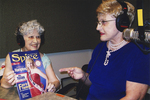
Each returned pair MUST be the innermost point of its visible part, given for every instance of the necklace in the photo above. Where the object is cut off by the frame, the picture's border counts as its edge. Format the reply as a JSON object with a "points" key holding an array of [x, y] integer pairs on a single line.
{"points": [[107, 57], [115, 47]]}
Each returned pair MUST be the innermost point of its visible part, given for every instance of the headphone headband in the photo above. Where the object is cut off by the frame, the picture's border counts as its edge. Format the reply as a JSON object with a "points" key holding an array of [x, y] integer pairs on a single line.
{"points": [[124, 6]]}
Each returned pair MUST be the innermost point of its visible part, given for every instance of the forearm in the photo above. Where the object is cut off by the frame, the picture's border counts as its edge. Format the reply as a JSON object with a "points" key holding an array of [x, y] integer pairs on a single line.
{"points": [[85, 79], [139, 96], [56, 84], [8, 79], [5, 84], [131, 98], [128, 98]]}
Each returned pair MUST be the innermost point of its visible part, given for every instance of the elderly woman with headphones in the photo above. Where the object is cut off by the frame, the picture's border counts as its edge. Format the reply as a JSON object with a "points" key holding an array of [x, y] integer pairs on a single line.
{"points": [[118, 69], [30, 36]]}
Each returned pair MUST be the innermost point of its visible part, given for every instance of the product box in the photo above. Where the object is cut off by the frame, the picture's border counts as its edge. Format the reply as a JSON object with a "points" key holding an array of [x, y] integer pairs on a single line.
{"points": [[31, 79]]}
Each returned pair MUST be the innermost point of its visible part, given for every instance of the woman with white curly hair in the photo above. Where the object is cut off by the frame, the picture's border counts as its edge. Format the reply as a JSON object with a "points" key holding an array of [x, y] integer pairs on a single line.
{"points": [[30, 37]]}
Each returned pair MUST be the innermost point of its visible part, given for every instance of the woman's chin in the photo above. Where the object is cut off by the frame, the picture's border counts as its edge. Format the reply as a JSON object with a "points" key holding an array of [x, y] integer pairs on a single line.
{"points": [[102, 39], [34, 48]]}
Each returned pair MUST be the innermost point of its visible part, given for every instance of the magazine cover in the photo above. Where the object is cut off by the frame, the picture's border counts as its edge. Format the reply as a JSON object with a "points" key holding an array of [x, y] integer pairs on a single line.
{"points": [[31, 79]]}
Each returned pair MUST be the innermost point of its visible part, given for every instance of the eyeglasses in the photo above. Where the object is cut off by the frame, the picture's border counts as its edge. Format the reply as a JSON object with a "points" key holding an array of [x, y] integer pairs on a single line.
{"points": [[103, 22]]}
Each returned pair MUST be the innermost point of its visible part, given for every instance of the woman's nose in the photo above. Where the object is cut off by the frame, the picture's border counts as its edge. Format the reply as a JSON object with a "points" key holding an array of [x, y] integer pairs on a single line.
{"points": [[34, 39], [99, 27]]}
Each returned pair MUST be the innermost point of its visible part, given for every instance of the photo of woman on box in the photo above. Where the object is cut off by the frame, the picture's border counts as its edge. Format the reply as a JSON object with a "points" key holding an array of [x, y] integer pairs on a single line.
{"points": [[30, 36]]}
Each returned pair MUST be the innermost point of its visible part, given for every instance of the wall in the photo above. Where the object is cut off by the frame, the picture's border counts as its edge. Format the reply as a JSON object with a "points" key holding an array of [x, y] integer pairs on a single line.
{"points": [[69, 59]]}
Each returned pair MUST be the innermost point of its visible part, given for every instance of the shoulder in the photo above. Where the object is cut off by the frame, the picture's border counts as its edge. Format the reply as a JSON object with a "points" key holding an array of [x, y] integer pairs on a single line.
{"points": [[18, 50], [45, 57], [46, 61], [41, 54], [138, 49]]}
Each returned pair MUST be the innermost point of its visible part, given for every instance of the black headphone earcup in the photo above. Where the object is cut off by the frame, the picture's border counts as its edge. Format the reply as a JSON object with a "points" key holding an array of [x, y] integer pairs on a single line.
{"points": [[20, 41], [122, 22]]}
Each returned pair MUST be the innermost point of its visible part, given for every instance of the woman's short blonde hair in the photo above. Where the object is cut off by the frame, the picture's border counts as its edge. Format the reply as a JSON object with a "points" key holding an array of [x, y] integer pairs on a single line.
{"points": [[115, 9], [27, 28]]}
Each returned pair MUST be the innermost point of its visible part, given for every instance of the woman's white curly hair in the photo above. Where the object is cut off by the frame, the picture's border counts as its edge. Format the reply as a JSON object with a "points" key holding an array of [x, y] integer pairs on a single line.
{"points": [[28, 27]]}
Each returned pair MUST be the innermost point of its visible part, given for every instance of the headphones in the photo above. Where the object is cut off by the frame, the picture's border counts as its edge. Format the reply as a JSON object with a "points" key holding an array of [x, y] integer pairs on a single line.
{"points": [[122, 21], [21, 42]]}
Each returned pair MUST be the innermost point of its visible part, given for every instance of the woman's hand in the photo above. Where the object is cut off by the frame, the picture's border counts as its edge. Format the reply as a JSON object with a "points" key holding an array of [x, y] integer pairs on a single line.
{"points": [[51, 87], [74, 72], [10, 77]]}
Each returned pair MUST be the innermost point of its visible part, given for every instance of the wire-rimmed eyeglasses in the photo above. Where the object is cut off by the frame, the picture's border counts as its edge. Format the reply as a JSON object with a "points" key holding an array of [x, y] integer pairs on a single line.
{"points": [[103, 22]]}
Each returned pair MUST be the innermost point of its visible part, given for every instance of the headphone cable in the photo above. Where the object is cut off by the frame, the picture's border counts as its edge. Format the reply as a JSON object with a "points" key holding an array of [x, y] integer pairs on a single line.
{"points": [[90, 70]]}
